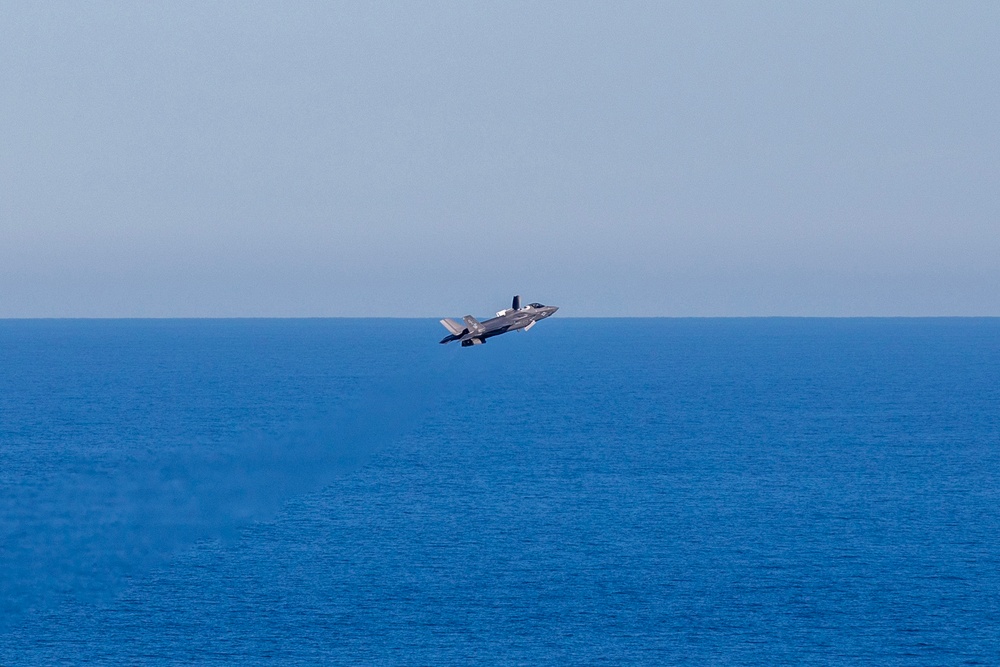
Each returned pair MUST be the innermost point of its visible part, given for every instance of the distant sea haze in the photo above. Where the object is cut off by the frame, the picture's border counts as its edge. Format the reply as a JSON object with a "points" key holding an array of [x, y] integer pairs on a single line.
{"points": [[629, 491]]}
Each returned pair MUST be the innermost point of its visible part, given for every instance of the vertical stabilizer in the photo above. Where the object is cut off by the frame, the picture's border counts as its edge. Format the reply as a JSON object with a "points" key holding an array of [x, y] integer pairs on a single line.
{"points": [[516, 303], [473, 324]]}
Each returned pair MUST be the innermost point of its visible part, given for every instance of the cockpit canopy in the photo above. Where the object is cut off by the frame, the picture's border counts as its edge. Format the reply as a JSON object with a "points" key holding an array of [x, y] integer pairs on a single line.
{"points": [[536, 305]]}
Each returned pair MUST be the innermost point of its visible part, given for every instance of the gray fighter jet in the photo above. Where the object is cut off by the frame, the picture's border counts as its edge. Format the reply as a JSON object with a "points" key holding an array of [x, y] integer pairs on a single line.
{"points": [[515, 318]]}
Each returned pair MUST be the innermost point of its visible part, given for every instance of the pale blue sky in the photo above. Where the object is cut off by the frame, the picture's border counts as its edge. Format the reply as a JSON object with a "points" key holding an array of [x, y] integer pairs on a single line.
{"points": [[430, 159]]}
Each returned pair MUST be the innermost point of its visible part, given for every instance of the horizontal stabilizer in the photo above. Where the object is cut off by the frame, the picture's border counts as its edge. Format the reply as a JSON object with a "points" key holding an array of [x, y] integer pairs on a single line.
{"points": [[454, 327]]}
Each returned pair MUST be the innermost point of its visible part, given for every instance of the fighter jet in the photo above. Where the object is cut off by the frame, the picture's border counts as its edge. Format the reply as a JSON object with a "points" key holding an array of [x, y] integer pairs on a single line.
{"points": [[515, 318]]}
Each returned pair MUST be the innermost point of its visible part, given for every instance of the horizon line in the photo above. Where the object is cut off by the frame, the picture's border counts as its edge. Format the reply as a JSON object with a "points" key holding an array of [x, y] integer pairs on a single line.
{"points": [[435, 318]]}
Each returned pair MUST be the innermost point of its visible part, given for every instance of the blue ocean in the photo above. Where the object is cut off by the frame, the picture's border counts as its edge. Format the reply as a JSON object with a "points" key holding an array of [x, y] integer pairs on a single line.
{"points": [[595, 491]]}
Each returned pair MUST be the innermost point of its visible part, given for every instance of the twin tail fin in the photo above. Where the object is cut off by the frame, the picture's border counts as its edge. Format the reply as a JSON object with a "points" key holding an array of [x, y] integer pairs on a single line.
{"points": [[473, 324]]}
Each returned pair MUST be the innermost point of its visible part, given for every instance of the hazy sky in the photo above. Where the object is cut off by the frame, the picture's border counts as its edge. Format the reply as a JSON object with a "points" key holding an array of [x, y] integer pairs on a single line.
{"points": [[431, 159]]}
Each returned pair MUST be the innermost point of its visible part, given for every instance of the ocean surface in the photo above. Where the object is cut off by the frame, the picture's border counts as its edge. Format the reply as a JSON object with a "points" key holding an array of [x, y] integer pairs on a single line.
{"points": [[620, 492]]}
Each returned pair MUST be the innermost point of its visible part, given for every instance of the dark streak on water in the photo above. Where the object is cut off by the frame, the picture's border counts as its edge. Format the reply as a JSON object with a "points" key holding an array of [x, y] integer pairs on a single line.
{"points": [[595, 491]]}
